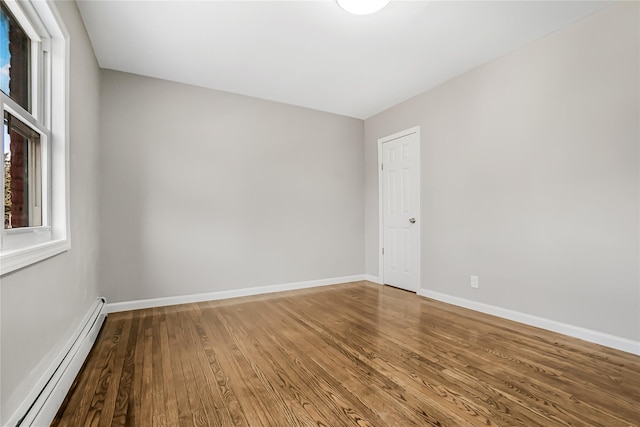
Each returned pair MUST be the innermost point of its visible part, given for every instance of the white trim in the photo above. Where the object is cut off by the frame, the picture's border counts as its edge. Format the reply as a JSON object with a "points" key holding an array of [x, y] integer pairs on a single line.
{"points": [[416, 130], [234, 293], [41, 404], [25, 21], [596, 337], [19, 258], [372, 278]]}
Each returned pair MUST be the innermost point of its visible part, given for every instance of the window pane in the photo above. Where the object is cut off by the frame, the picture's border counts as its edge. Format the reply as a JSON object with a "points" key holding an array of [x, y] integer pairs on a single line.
{"points": [[22, 175], [14, 58]]}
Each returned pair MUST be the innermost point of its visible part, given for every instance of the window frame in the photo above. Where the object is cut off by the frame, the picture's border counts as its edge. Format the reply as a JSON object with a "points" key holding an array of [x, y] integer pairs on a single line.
{"points": [[23, 236], [24, 246]]}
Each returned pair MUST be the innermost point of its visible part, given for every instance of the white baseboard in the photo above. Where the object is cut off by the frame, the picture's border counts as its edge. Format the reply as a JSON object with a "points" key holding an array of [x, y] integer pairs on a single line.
{"points": [[372, 278], [211, 296], [42, 403], [601, 338], [596, 337]]}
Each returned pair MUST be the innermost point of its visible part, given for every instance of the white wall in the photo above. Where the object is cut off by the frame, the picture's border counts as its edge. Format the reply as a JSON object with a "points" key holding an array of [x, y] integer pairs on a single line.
{"points": [[205, 191], [530, 177], [43, 304]]}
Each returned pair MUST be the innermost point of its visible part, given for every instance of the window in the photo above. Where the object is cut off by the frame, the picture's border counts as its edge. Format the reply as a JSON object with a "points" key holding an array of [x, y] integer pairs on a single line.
{"points": [[33, 105], [22, 175]]}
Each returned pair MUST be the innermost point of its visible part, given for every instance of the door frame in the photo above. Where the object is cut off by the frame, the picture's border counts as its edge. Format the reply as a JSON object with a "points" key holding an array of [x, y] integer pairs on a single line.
{"points": [[406, 132]]}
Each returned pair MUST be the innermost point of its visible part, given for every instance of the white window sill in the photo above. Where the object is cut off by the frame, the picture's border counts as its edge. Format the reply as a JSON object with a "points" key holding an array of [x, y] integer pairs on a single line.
{"points": [[12, 260]]}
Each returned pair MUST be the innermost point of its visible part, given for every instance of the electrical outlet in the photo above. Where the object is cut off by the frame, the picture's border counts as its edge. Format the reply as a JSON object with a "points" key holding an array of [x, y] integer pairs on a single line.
{"points": [[474, 282]]}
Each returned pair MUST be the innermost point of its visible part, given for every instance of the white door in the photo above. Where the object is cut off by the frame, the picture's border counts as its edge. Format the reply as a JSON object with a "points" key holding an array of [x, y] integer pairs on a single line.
{"points": [[400, 170]]}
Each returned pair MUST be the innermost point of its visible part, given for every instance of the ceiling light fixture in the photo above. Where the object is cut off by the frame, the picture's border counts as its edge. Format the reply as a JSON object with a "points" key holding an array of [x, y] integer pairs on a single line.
{"points": [[362, 7]]}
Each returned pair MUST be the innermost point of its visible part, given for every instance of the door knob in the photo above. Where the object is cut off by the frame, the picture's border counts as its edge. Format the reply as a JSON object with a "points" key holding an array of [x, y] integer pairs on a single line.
{"points": [[412, 220]]}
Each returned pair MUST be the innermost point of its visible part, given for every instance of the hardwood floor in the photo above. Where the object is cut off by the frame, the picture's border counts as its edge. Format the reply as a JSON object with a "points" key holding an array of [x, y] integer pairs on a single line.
{"points": [[353, 354]]}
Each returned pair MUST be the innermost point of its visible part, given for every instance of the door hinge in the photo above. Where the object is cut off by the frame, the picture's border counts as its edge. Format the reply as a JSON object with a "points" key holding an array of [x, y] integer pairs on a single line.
{"points": [[381, 166], [382, 251]]}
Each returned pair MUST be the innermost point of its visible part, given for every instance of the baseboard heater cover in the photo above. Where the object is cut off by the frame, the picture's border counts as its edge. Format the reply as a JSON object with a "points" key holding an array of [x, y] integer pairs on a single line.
{"points": [[42, 404]]}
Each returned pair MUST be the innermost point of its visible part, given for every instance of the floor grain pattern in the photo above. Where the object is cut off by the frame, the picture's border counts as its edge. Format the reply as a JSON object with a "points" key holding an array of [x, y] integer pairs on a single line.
{"points": [[356, 354]]}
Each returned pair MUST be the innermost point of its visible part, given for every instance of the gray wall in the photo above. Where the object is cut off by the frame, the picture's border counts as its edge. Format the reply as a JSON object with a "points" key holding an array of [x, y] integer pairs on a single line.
{"points": [[204, 191], [42, 305], [530, 177], [530, 180]]}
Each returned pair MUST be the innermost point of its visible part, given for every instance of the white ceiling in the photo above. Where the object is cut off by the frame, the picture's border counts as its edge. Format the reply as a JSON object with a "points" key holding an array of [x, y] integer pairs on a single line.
{"points": [[313, 53]]}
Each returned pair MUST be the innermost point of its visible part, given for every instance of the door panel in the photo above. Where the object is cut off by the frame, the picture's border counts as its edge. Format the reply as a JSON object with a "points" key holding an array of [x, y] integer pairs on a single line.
{"points": [[401, 204]]}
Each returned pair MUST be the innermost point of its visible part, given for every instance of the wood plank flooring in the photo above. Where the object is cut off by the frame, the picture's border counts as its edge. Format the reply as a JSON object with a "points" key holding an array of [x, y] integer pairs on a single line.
{"points": [[356, 354]]}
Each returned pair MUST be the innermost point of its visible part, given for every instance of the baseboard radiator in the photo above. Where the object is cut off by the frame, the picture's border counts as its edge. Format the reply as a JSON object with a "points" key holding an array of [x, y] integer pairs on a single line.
{"points": [[45, 400]]}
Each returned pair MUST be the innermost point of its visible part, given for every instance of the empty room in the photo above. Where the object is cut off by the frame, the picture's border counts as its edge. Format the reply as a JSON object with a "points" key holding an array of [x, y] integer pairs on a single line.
{"points": [[320, 212]]}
